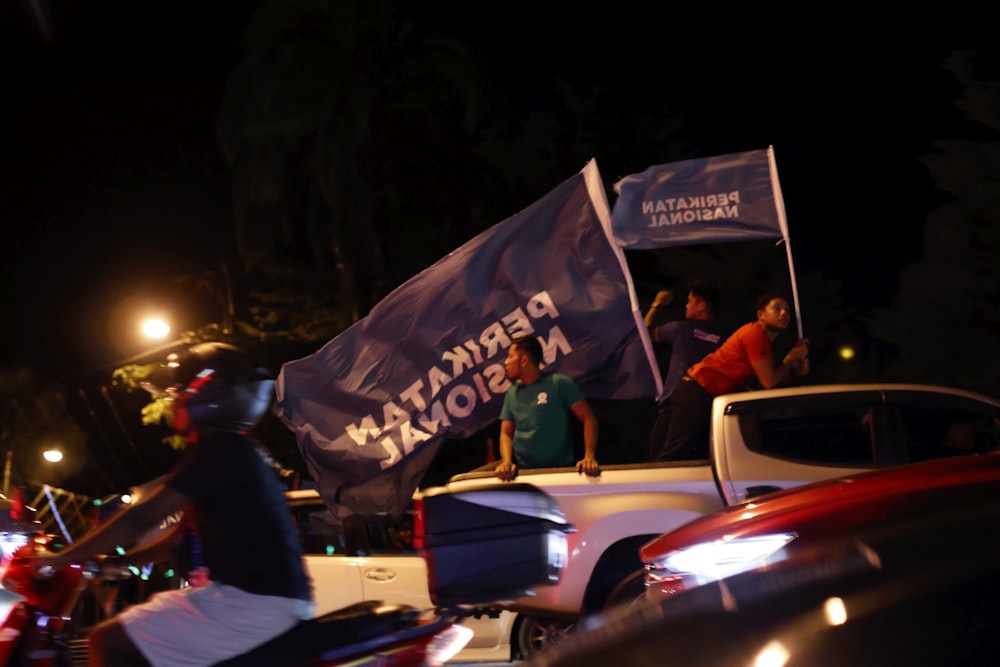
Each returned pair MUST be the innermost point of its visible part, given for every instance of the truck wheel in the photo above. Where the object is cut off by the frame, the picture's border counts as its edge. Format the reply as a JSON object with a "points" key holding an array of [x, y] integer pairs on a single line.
{"points": [[628, 590], [536, 633], [616, 564]]}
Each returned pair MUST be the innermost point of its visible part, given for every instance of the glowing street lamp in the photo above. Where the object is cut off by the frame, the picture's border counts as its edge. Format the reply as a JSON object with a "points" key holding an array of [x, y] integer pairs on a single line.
{"points": [[155, 328], [52, 455]]}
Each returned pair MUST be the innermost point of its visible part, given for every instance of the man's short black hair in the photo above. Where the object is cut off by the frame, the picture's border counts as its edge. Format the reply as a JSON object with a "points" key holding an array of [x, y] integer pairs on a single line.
{"points": [[707, 292], [531, 347], [768, 297]]}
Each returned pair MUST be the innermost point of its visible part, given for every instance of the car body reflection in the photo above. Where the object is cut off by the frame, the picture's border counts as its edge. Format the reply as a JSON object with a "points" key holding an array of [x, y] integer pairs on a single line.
{"points": [[917, 587]]}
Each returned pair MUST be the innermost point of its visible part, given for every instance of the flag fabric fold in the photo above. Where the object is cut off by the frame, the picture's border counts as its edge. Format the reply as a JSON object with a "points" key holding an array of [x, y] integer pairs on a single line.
{"points": [[372, 406]]}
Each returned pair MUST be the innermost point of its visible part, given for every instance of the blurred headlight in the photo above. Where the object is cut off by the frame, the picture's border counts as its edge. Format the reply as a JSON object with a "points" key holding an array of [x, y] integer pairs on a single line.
{"points": [[710, 561]]}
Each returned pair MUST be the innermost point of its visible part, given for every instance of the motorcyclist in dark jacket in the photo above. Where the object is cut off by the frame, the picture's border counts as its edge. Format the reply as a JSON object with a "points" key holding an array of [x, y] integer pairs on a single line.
{"points": [[248, 582]]}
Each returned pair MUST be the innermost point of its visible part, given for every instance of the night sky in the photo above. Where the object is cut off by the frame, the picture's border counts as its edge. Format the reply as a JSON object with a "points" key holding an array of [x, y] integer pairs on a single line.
{"points": [[112, 182]]}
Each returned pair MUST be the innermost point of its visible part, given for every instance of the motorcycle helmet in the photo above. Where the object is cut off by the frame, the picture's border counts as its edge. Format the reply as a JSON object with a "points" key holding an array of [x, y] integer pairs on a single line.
{"points": [[213, 385]]}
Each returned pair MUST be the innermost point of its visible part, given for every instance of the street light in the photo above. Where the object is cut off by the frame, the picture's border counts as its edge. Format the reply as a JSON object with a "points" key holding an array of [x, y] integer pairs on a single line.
{"points": [[52, 455], [155, 328]]}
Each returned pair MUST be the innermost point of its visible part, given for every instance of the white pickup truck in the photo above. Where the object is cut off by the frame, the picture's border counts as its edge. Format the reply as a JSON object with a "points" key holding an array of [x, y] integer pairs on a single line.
{"points": [[363, 559], [761, 441]]}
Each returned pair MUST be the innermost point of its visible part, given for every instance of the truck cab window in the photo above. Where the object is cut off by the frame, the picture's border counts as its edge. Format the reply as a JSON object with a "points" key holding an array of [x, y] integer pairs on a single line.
{"points": [[934, 432], [319, 532], [811, 432]]}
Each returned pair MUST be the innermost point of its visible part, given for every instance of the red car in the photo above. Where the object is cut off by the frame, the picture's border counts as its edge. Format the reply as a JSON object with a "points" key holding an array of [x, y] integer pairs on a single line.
{"points": [[776, 526]]}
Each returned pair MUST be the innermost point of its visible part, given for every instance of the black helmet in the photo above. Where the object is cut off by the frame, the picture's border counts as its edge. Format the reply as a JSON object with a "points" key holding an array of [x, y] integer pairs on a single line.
{"points": [[213, 385]]}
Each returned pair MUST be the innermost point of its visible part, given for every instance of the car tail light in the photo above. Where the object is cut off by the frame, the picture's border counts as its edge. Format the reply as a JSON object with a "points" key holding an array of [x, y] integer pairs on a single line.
{"points": [[419, 526]]}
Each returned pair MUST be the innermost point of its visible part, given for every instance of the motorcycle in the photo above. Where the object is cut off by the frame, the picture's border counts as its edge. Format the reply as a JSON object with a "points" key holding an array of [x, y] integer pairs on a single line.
{"points": [[40, 630]]}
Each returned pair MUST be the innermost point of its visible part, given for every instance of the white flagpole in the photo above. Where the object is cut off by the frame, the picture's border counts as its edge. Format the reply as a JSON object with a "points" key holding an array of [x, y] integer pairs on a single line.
{"points": [[599, 198], [779, 204]]}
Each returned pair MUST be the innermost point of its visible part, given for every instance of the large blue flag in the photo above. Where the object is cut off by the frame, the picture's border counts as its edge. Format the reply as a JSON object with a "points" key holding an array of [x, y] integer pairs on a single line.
{"points": [[733, 197], [372, 406]]}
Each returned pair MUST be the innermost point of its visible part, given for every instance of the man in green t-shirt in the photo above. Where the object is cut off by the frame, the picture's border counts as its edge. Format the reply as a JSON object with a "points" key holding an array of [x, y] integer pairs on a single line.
{"points": [[534, 420]]}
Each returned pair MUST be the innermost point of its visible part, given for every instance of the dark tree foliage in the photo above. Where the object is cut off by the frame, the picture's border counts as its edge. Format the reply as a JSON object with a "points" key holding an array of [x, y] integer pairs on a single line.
{"points": [[942, 325], [365, 144]]}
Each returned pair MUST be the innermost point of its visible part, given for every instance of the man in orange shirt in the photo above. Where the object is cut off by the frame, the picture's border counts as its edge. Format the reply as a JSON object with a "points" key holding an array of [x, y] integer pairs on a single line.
{"points": [[744, 357]]}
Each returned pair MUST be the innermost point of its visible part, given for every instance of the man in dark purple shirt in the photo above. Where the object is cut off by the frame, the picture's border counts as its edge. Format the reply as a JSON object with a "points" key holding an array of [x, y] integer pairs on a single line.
{"points": [[697, 335]]}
